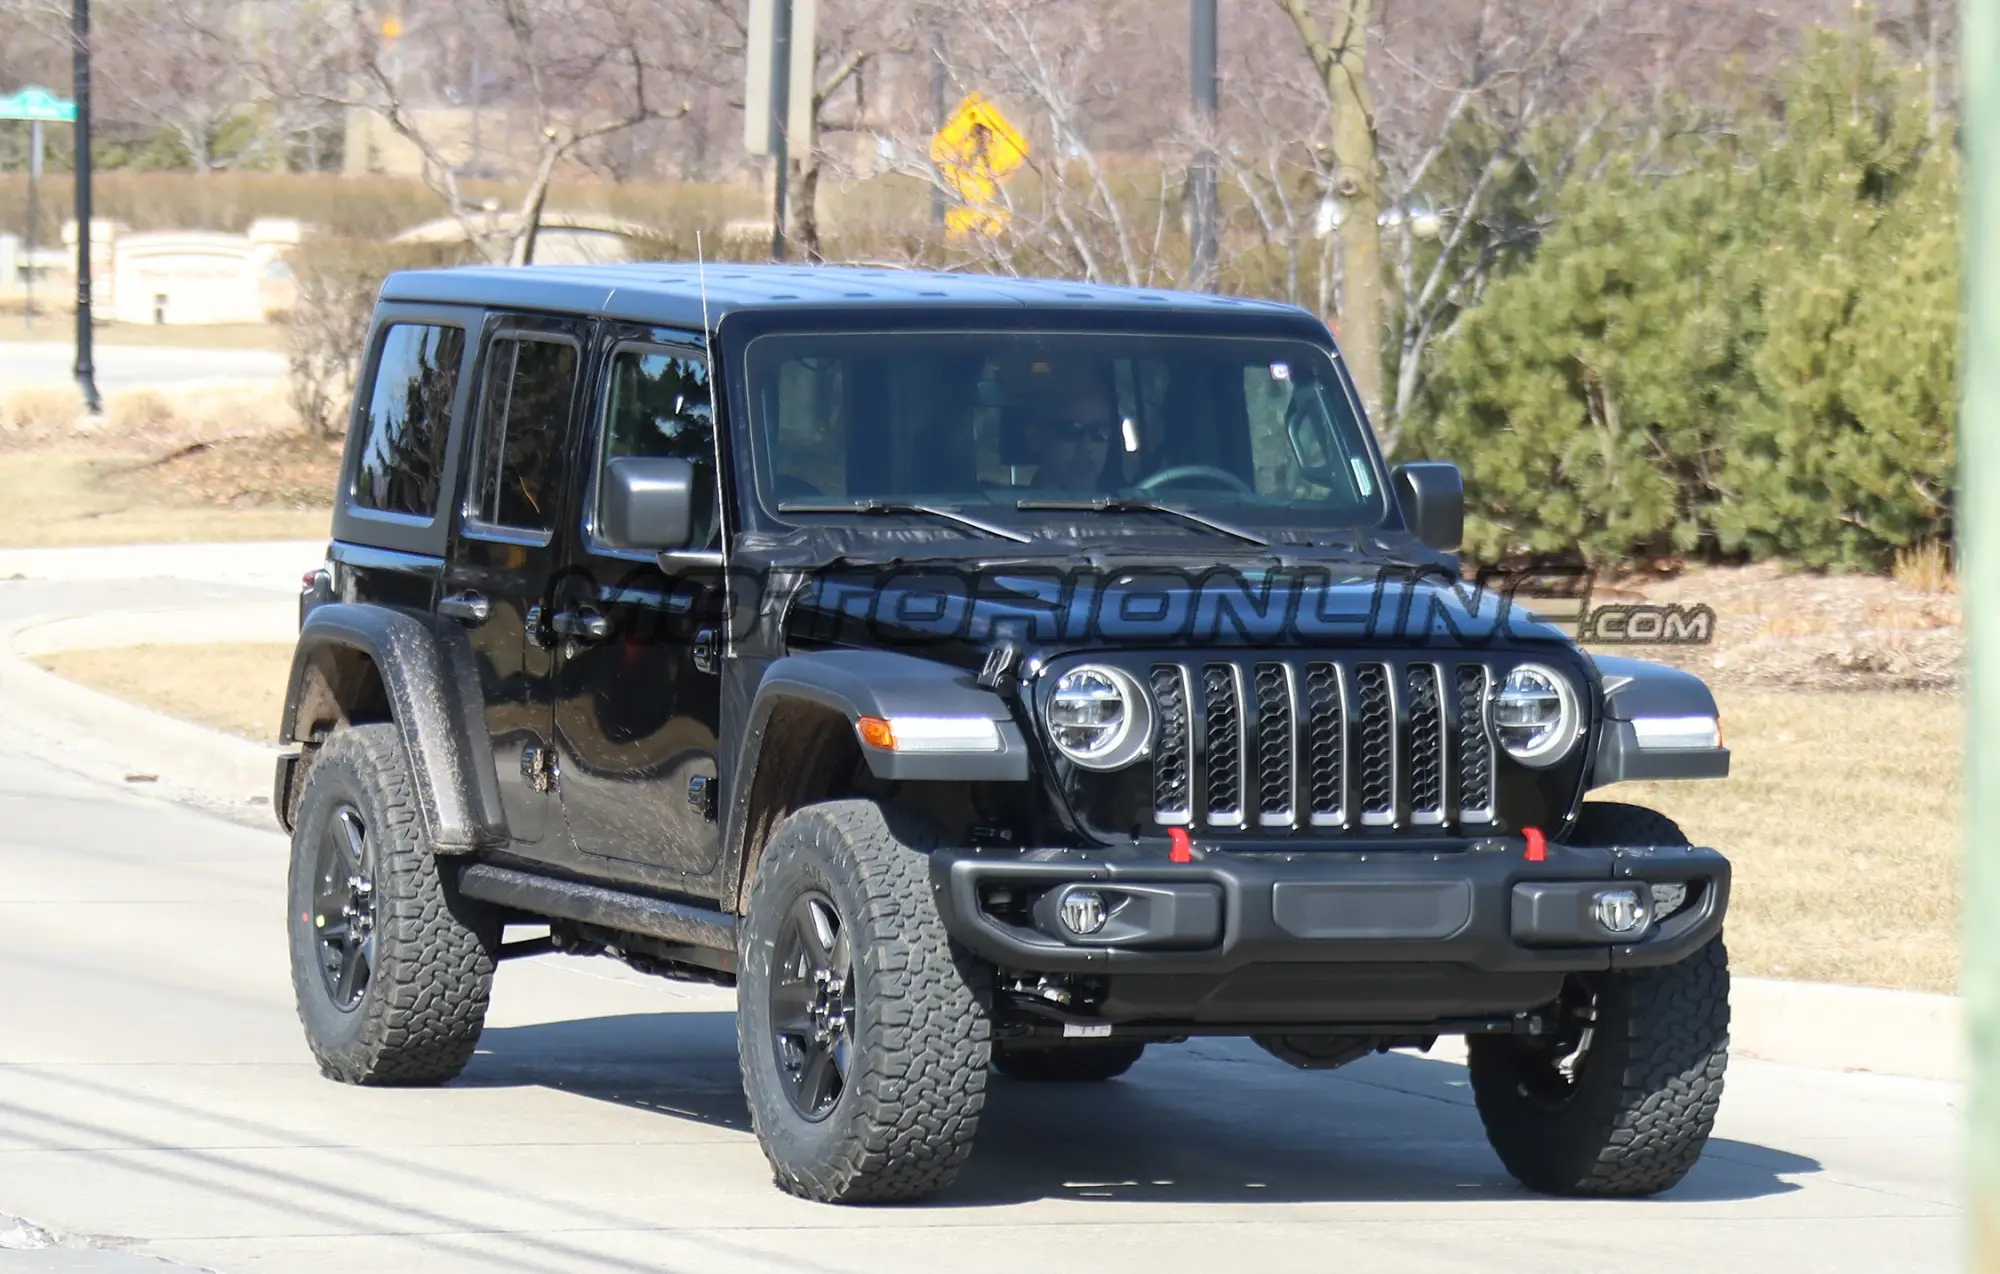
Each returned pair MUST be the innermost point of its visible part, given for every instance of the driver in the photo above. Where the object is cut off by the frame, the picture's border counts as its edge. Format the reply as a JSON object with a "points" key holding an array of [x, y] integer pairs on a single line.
{"points": [[1071, 445]]}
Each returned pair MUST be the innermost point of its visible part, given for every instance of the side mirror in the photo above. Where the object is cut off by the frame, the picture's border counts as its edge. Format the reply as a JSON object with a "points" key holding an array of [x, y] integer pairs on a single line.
{"points": [[1433, 499], [647, 503]]}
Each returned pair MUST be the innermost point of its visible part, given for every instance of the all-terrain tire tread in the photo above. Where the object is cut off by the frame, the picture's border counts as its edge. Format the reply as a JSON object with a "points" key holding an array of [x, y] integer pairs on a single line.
{"points": [[433, 970], [1657, 1085], [925, 1029]]}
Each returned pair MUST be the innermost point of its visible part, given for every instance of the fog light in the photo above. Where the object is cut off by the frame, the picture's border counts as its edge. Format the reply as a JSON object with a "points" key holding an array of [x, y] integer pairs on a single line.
{"points": [[1619, 910], [1083, 912]]}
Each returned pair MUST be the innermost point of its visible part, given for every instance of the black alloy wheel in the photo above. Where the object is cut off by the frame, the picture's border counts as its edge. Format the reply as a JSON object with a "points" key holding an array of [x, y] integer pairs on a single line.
{"points": [[344, 908], [812, 1006]]}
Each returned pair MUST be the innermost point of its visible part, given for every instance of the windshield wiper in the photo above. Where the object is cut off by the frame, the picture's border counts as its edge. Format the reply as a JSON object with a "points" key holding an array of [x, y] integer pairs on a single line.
{"points": [[1124, 504], [903, 506]]}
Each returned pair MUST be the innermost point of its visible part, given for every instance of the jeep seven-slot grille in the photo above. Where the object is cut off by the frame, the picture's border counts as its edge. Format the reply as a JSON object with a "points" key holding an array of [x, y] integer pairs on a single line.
{"points": [[1319, 745], [1173, 797], [1222, 709], [1475, 749]]}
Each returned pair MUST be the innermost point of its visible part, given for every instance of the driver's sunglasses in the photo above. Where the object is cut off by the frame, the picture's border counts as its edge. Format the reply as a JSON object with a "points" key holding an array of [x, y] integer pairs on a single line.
{"points": [[1078, 430]]}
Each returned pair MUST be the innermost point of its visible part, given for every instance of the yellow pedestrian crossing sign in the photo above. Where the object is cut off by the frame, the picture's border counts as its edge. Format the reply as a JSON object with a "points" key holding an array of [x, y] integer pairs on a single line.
{"points": [[974, 151]]}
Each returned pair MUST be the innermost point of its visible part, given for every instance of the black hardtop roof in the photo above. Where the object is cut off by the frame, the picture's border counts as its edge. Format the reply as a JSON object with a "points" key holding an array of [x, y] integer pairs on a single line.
{"points": [[671, 293]]}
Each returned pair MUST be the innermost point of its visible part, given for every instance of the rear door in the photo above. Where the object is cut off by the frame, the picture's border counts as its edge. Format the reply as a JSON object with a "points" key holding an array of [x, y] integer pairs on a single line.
{"points": [[638, 702], [502, 568]]}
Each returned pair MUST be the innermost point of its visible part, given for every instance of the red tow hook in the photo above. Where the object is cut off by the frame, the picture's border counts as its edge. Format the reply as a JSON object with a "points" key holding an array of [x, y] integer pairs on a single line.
{"points": [[1538, 845], [1180, 846]]}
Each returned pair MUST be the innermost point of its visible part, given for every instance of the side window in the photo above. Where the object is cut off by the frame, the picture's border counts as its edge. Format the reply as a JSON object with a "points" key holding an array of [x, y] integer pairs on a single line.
{"points": [[660, 405], [400, 463], [523, 422]]}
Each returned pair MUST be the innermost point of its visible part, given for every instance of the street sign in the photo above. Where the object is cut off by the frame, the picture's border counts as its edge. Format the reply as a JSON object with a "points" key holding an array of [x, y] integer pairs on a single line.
{"points": [[974, 151], [38, 104]]}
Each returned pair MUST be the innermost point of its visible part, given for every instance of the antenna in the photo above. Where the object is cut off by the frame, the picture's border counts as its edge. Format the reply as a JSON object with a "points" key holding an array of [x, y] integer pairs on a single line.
{"points": [[701, 278], [708, 352]]}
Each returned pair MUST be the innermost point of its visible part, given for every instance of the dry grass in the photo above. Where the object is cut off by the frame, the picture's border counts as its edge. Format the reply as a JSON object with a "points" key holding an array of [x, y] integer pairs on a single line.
{"points": [[1841, 820], [1926, 567], [237, 688], [63, 498], [215, 463]]}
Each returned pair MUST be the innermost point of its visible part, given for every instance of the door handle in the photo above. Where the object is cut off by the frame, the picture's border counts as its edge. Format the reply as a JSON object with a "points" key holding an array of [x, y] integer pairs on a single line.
{"points": [[583, 625], [468, 607]]}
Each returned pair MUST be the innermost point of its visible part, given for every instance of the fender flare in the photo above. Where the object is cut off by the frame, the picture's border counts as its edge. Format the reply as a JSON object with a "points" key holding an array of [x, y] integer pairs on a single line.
{"points": [[1636, 688], [432, 689], [858, 683]]}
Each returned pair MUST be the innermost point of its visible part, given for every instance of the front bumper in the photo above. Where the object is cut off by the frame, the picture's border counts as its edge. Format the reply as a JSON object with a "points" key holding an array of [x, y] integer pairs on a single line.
{"points": [[1479, 905]]}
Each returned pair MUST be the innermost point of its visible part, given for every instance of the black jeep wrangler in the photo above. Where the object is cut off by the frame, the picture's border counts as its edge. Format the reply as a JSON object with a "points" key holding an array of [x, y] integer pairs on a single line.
{"points": [[976, 673]]}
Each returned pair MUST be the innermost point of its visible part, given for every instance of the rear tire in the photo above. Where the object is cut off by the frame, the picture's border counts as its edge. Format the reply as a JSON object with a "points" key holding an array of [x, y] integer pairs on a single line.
{"points": [[862, 1030], [1067, 1063], [1628, 1112], [391, 966]]}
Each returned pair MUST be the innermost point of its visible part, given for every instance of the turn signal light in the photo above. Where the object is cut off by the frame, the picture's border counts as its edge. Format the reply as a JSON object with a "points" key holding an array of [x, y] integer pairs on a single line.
{"points": [[929, 734]]}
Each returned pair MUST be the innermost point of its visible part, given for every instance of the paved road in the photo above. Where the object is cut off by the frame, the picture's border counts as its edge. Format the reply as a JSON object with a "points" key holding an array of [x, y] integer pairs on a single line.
{"points": [[119, 367], [156, 1099]]}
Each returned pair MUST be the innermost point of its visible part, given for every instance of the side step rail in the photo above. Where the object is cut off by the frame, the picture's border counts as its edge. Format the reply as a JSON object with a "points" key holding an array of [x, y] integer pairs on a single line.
{"points": [[672, 922]]}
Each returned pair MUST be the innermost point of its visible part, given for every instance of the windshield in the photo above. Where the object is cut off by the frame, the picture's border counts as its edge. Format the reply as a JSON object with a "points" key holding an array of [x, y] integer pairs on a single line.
{"points": [[1252, 430]]}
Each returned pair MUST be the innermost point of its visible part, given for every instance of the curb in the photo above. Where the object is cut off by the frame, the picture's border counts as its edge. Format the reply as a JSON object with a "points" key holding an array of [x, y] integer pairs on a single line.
{"points": [[135, 748], [1856, 1028]]}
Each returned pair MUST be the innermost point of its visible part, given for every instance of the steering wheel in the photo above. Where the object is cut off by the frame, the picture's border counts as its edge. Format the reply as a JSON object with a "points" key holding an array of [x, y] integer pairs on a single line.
{"points": [[1180, 472]]}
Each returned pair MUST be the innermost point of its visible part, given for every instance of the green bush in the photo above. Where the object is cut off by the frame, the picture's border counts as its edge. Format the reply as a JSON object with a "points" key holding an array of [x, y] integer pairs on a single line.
{"points": [[1753, 356]]}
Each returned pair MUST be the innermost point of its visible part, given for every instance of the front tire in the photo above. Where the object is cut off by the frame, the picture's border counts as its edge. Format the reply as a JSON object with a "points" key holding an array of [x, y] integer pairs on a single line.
{"points": [[862, 1030], [1087, 1063], [1621, 1106], [391, 968]]}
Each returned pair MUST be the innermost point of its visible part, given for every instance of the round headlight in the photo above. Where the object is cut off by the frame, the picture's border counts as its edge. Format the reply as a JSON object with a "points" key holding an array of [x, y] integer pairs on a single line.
{"points": [[1534, 715], [1099, 717]]}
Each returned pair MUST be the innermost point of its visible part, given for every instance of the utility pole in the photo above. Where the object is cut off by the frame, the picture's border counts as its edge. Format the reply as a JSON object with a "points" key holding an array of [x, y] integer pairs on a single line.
{"points": [[937, 110], [1979, 579], [86, 372], [781, 106], [1201, 175]]}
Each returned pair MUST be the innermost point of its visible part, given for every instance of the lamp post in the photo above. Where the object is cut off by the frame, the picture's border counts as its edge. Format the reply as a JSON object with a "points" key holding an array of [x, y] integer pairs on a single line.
{"points": [[86, 372]]}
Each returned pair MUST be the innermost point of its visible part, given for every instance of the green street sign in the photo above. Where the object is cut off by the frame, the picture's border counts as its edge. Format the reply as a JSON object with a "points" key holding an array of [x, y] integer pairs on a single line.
{"points": [[38, 103]]}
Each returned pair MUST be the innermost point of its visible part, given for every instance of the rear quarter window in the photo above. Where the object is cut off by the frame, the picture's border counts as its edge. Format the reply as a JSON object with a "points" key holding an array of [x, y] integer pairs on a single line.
{"points": [[399, 464]]}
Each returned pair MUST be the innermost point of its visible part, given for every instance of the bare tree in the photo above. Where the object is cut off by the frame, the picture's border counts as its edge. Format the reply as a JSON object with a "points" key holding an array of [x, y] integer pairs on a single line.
{"points": [[185, 66], [1338, 48], [567, 73], [1083, 83]]}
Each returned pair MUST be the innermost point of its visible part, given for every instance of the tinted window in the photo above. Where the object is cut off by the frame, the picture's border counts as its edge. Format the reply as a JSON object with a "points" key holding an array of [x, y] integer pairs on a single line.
{"points": [[400, 465], [524, 419], [660, 406], [1263, 431]]}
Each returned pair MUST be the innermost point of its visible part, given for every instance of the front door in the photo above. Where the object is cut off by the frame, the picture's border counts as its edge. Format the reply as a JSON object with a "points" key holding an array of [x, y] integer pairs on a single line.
{"points": [[505, 557], [638, 698]]}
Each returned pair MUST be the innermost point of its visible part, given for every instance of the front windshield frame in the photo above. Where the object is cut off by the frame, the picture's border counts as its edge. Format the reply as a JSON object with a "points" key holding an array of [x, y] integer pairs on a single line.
{"points": [[759, 502]]}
